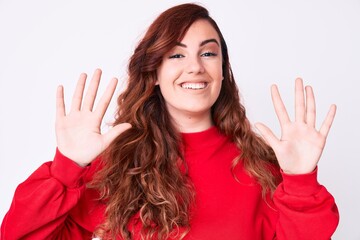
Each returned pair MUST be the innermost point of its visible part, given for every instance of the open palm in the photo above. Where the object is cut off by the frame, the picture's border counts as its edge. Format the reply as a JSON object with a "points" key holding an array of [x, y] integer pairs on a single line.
{"points": [[300, 147], [78, 133]]}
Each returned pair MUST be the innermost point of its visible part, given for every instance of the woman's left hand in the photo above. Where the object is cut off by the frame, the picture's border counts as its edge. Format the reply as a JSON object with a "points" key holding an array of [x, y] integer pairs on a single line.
{"points": [[301, 144]]}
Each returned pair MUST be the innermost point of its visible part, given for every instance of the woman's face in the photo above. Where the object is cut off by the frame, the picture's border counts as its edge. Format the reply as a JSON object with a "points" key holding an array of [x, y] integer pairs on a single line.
{"points": [[190, 74]]}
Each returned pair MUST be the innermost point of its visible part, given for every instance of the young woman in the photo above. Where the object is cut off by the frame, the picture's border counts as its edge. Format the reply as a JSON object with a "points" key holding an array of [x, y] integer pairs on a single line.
{"points": [[182, 160]]}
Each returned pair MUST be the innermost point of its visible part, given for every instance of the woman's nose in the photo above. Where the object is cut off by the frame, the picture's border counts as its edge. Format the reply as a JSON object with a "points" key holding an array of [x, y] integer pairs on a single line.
{"points": [[195, 65]]}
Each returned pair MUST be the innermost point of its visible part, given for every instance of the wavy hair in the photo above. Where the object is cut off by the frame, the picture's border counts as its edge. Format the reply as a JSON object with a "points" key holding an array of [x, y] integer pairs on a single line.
{"points": [[144, 178]]}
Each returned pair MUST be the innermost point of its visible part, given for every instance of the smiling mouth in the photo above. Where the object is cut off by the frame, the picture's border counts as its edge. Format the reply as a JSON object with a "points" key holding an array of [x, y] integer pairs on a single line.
{"points": [[194, 86]]}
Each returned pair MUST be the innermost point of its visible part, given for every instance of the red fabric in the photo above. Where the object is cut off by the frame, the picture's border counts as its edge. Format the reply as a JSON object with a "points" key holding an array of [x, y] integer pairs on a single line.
{"points": [[53, 203]]}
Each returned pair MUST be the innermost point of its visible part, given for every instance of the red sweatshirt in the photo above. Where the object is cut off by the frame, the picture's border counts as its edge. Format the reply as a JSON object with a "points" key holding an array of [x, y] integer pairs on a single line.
{"points": [[54, 203]]}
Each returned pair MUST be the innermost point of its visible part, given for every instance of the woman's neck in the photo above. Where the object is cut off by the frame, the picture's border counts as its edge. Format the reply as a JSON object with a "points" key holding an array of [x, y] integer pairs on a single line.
{"points": [[192, 122]]}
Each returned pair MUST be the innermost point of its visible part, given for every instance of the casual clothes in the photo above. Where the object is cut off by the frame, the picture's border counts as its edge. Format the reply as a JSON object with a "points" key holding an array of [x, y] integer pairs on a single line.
{"points": [[54, 203]]}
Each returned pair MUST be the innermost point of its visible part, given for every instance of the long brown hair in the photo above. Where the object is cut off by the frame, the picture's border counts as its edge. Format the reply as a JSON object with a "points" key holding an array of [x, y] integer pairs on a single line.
{"points": [[143, 170]]}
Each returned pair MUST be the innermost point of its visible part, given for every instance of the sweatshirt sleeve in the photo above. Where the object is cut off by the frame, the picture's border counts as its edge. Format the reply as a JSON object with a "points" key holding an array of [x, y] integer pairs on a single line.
{"points": [[306, 209], [41, 203]]}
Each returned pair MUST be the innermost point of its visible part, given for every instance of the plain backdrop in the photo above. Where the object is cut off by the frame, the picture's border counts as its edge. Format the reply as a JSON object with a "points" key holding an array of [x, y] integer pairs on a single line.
{"points": [[47, 43]]}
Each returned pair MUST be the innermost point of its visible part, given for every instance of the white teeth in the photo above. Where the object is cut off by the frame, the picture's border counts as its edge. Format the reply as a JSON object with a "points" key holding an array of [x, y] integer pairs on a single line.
{"points": [[194, 85]]}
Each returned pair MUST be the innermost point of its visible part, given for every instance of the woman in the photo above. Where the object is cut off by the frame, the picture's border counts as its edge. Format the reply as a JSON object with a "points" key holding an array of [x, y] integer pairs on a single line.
{"points": [[182, 161]]}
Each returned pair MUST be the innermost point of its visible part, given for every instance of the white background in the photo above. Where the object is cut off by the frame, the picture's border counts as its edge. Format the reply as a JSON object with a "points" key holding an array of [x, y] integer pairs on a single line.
{"points": [[47, 43]]}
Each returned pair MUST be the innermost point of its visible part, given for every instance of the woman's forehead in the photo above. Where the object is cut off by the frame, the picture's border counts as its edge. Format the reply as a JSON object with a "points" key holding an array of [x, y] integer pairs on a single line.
{"points": [[200, 32]]}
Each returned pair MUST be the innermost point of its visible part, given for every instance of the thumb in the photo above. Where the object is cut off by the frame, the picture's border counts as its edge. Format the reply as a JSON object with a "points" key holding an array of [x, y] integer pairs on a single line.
{"points": [[267, 134], [114, 132]]}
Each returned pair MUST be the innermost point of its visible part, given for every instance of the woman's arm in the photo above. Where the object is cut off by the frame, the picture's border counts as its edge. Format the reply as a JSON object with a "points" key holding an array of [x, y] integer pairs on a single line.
{"points": [[41, 204], [306, 209]]}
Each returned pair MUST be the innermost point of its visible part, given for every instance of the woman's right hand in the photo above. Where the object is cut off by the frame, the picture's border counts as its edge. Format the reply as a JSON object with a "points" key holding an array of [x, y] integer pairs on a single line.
{"points": [[78, 133]]}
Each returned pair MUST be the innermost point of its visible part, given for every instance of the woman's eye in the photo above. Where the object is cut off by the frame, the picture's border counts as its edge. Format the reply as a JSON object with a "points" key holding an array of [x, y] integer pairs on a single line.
{"points": [[177, 56], [208, 54]]}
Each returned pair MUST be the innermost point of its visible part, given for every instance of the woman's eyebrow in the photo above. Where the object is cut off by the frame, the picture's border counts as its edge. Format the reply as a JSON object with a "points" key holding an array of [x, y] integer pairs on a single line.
{"points": [[201, 44], [209, 41]]}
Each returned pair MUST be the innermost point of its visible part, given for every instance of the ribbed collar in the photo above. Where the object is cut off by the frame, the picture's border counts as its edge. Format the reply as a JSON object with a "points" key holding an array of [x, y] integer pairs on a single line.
{"points": [[206, 138]]}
